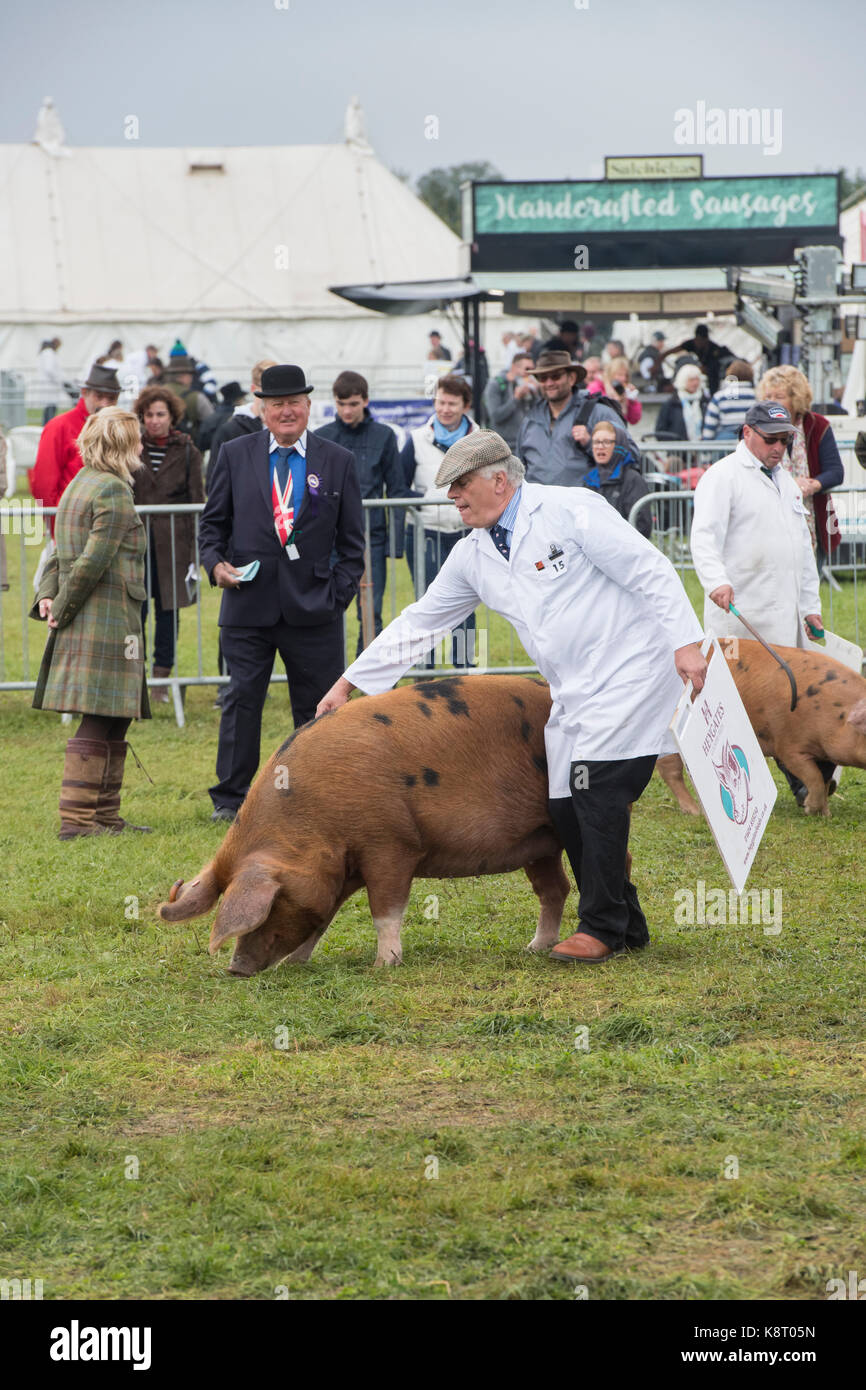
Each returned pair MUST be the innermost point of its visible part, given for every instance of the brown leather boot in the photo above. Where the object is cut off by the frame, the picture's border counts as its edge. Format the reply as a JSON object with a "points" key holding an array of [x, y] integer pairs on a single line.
{"points": [[159, 693], [83, 778], [108, 811]]}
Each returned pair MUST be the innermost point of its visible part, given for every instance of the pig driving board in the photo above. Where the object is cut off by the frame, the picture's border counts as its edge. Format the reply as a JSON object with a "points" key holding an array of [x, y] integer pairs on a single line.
{"points": [[725, 762]]}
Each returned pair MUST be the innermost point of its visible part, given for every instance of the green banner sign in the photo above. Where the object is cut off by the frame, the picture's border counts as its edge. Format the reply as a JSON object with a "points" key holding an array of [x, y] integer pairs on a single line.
{"points": [[659, 205]]}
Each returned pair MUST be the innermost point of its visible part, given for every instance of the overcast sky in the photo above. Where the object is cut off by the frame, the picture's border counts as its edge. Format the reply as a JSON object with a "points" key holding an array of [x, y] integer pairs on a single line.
{"points": [[541, 88]]}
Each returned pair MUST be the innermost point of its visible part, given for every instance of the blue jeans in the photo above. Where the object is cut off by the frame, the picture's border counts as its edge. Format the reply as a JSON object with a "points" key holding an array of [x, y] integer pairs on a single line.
{"points": [[437, 546], [166, 620]]}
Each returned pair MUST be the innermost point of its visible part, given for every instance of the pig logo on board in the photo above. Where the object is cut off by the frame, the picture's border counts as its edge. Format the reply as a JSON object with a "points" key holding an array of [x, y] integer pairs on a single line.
{"points": [[733, 774]]}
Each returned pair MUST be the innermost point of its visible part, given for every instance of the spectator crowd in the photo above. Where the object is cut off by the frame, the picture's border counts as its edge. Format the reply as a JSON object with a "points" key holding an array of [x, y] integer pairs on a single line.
{"points": [[565, 407]]}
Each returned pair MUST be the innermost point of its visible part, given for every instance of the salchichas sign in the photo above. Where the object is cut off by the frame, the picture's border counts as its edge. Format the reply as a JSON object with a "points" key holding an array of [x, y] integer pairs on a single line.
{"points": [[665, 205]]}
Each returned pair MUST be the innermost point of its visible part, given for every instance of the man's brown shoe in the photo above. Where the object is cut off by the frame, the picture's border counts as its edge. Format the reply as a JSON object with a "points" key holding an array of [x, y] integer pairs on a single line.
{"points": [[584, 949]]}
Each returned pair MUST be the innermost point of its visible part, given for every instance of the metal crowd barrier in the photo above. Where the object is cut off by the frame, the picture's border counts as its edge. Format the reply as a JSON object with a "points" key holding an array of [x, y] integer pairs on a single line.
{"points": [[410, 529], [672, 519], [405, 533]]}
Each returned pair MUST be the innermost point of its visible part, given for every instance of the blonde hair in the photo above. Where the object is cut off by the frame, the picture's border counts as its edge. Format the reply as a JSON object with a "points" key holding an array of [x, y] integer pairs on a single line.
{"points": [[261, 367], [604, 425], [614, 368], [109, 442], [793, 383]]}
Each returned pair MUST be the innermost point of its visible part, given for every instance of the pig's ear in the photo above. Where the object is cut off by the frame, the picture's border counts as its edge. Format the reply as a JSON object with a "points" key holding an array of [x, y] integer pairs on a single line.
{"points": [[246, 904], [857, 717], [191, 899]]}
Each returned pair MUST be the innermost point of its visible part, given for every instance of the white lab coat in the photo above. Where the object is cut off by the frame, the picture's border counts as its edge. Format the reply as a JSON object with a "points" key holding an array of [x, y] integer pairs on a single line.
{"points": [[755, 537], [601, 621]]}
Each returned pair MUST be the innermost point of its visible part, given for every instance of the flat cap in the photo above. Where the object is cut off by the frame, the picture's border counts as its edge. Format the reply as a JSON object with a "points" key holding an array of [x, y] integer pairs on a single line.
{"points": [[478, 449]]}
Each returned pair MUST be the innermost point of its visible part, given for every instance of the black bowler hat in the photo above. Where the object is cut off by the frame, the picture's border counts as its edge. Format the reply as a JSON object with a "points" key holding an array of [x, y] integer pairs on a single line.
{"points": [[283, 381], [232, 392]]}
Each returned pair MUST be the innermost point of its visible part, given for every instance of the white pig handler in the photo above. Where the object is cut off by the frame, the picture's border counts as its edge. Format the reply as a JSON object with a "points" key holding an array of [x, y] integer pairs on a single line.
{"points": [[604, 616]]}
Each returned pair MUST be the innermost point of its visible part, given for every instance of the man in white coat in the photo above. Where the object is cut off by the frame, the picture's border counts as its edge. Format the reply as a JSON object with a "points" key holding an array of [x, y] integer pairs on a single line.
{"points": [[751, 544], [605, 618], [750, 537]]}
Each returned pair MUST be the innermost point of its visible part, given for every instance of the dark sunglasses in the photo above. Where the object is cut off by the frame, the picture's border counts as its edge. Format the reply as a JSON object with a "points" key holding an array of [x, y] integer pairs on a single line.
{"points": [[775, 438]]}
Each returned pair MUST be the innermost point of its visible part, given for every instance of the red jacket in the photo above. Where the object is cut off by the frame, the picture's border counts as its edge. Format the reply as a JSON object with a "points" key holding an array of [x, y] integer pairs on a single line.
{"points": [[57, 459]]}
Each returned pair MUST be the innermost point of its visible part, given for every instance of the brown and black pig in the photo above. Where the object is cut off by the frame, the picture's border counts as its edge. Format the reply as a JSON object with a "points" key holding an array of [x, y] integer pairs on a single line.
{"points": [[827, 725], [442, 779]]}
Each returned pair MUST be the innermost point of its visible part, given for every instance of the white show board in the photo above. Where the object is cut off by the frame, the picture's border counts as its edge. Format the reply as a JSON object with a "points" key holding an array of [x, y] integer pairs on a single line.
{"points": [[734, 785]]}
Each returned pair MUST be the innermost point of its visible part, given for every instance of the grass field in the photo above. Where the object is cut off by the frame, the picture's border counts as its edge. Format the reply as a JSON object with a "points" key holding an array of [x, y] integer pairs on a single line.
{"points": [[446, 1129]]}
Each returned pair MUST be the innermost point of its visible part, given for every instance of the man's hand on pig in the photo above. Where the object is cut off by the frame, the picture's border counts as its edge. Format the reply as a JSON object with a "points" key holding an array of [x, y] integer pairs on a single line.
{"points": [[336, 696]]}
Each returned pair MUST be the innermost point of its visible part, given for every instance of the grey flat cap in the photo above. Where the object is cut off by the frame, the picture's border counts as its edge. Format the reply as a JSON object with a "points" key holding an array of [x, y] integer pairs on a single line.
{"points": [[479, 449]]}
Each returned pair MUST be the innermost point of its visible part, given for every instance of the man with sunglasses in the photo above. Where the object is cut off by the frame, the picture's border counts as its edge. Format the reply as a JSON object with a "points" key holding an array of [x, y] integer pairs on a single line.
{"points": [[554, 439], [750, 538]]}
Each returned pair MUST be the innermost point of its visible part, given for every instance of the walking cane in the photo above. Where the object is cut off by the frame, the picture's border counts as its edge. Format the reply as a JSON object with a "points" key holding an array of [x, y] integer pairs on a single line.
{"points": [[784, 665]]}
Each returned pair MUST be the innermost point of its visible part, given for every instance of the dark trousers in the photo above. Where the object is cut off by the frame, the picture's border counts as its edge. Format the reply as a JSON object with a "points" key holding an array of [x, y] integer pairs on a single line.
{"points": [[798, 788], [437, 547], [593, 825], [166, 622], [313, 658], [378, 574]]}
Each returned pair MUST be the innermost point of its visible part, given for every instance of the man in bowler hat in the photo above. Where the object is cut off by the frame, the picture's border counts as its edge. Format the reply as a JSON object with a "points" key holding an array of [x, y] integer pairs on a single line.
{"points": [[291, 501]]}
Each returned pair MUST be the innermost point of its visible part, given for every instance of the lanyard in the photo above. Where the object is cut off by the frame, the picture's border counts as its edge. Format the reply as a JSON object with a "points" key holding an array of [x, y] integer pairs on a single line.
{"points": [[284, 515]]}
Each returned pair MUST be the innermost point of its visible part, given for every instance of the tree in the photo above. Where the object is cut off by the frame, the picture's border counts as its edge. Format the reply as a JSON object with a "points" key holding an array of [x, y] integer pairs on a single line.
{"points": [[440, 188], [851, 185]]}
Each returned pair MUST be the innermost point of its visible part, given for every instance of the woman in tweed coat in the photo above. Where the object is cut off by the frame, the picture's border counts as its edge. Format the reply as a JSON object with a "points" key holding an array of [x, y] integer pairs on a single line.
{"points": [[91, 594]]}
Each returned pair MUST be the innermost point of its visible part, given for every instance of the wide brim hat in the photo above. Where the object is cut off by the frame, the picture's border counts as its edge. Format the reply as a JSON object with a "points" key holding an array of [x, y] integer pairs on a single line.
{"points": [[179, 366], [285, 380], [478, 449], [102, 379], [557, 361]]}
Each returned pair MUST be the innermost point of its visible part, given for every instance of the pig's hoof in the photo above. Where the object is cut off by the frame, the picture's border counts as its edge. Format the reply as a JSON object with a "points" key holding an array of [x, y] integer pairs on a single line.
{"points": [[537, 947], [392, 959]]}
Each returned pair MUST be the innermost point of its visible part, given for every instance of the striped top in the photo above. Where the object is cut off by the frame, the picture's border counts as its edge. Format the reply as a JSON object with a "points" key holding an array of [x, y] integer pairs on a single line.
{"points": [[156, 452], [727, 409]]}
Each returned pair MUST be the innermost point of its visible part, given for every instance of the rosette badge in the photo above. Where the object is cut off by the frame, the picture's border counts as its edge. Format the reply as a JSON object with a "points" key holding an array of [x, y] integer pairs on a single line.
{"points": [[313, 486]]}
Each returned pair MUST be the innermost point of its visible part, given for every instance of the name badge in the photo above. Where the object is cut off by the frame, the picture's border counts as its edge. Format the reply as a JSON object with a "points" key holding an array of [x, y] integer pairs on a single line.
{"points": [[554, 564], [292, 551]]}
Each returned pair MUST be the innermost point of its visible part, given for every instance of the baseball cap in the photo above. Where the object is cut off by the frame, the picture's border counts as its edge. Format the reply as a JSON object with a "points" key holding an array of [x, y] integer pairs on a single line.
{"points": [[769, 417]]}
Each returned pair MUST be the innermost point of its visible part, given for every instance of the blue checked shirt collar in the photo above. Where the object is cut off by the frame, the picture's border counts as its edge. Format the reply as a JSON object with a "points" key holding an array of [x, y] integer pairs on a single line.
{"points": [[509, 516]]}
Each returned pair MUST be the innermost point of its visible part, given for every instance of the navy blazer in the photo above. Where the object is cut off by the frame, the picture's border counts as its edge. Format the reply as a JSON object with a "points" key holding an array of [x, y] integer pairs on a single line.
{"points": [[237, 525]]}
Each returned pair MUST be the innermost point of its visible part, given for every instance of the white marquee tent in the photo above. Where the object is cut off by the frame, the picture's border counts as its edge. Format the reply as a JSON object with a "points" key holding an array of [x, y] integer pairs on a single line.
{"points": [[233, 250]]}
